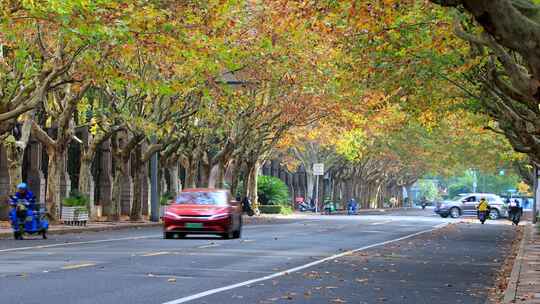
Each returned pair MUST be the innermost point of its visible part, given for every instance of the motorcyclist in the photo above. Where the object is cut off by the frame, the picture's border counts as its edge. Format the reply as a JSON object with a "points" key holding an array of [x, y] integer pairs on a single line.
{"points": [[23, 193], [423, 202], [483, 208], [246, 206], [515, 211], [351, 206]]}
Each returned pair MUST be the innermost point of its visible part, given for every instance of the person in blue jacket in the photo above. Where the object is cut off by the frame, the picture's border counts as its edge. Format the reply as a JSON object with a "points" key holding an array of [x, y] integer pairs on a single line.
{"points": [[352, 206], [23, 193]]}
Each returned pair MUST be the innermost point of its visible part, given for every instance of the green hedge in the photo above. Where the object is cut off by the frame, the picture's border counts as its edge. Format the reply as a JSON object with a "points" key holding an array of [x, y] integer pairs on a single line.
{"points": [[275, 209], [272, 191], [76, 200], [270, 209]]}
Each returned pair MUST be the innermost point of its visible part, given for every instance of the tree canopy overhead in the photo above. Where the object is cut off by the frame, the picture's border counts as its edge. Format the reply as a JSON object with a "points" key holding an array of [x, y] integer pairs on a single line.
{"points": [[381, 91]]}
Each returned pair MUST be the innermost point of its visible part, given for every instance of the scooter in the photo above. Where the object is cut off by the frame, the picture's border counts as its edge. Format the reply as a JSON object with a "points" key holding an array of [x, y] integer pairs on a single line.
{"points": [[305, 207], [515, 215], [482, 216], [329, 208], [351, 210], [24, 220]]}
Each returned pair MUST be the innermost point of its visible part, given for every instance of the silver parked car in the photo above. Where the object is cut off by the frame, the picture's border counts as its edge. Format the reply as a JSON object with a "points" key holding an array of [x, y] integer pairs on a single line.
{"points": [[465, 204]]}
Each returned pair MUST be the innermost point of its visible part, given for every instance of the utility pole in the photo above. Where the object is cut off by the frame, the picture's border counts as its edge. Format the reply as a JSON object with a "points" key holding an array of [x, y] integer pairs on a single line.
{"points": [[154, 200]]}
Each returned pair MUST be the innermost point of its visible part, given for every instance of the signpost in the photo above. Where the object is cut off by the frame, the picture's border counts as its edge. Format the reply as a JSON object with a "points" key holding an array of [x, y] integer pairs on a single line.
{"points": [[318, 171]]}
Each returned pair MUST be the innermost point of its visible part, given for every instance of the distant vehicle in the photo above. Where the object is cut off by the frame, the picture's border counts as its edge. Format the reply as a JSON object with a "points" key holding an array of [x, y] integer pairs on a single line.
{"points": [[465, 204], [203, 211]]}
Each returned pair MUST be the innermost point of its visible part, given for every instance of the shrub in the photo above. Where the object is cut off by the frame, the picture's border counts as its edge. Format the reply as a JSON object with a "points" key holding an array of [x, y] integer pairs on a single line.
{"points": [[76, 200], [275, 209], [286, 210], [272, 191], [270, 209], [166, 198]]}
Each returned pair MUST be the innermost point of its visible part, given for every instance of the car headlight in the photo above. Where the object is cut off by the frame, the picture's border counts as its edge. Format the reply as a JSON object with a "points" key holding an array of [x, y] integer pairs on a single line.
{"points": [[220, 216], [174, 215]]}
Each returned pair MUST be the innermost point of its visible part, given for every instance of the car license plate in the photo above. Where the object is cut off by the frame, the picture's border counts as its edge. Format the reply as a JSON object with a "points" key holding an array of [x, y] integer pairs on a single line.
{"points": [[194, 225]]}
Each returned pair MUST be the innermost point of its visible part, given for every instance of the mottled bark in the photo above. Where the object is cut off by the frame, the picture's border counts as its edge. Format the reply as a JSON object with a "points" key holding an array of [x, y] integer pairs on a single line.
{"points": [[86, 180], [136, 209], [253, 175], [15, 153], [174, 178], [56, 176]]}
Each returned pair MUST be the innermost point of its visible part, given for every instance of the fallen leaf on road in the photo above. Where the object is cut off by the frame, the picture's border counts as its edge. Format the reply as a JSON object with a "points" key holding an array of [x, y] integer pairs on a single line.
{"points": [[171, 280]]}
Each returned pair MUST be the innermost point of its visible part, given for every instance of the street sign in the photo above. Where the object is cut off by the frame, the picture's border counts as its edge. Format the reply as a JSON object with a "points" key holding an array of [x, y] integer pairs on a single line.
{"points": [[318, 169]]}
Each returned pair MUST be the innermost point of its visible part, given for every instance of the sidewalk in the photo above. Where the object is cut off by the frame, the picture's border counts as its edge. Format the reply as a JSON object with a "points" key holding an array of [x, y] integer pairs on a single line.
{"points": [[524, 284]]}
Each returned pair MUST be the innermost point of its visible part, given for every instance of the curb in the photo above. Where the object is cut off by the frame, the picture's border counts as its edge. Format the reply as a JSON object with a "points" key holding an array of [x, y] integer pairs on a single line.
{"points": [[61, 231], [511, 289]]}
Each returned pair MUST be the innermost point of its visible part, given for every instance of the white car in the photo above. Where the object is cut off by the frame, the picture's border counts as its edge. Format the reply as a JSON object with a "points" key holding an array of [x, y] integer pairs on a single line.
{"points": [[465, 204]]}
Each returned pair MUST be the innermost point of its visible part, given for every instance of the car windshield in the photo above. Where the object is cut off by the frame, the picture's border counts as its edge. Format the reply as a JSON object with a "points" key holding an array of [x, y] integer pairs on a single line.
{"points": [[202, 198]]}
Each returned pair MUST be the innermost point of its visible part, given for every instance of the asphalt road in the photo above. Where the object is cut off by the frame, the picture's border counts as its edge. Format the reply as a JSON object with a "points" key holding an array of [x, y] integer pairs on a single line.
{"points": [[394, 258]]}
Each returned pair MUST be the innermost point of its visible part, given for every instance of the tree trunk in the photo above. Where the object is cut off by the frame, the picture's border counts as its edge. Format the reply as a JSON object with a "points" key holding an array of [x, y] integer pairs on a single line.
{"points": [[55, 175], [252, 184], [173, 176], [120, 175], [15, 153], [409, 195], [15, 158], [336, 191], [136, 209], [220, 176], [86, 179], [235, 172], [310, 181], [205, 170], [191, 167], [114, 211], [162, 179]]}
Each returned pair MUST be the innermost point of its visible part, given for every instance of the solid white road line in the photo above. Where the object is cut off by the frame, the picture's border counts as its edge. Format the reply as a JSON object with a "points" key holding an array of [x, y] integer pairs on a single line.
{"points": [[151, 254], [296, 269], [79, 243], [381, 223], [94, 242]]}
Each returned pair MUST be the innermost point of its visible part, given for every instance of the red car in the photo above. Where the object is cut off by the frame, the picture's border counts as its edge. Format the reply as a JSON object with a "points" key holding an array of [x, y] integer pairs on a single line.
{"points": [[203, 211]]}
